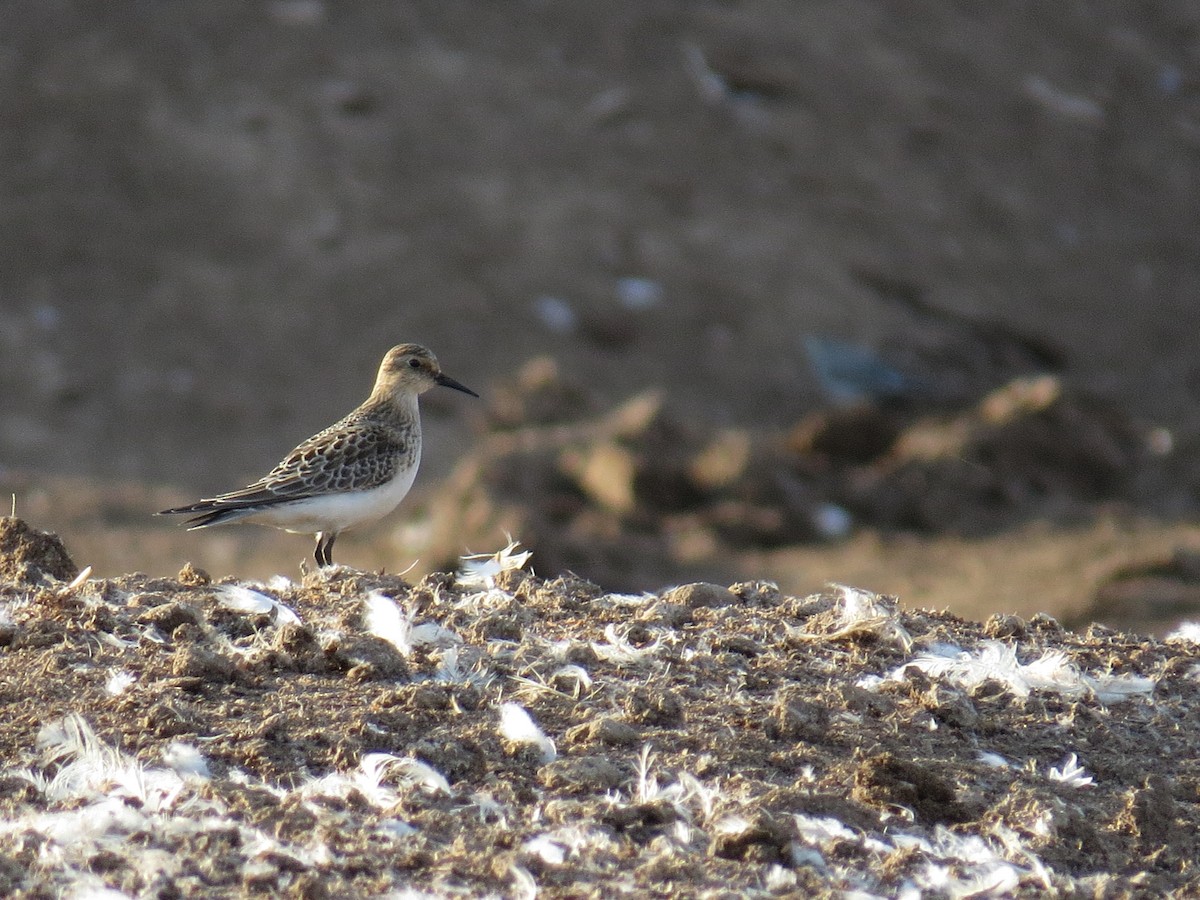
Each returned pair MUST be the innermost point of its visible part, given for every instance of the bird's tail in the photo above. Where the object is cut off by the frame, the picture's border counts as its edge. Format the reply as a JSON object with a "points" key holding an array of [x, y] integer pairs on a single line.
{"points": [[206, 514]]}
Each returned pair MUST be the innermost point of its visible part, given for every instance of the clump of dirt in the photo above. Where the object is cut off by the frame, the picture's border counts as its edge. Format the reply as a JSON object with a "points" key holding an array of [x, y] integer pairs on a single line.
{"points": [[495, 731], [608, 496], [886, 781], [1029, 449], [27, 556], [1161, 591]]}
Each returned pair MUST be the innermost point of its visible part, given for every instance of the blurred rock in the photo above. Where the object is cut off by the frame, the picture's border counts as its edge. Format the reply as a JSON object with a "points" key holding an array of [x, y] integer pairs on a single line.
{"points": [[853, 434], [723, 461], [1030, 448], [693, 596], [850, 374], [605, 473], [639, 495], [1153, 595], [537, 395]]}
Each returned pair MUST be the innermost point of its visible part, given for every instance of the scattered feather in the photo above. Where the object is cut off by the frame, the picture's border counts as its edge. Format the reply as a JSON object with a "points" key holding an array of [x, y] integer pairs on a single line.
{"points": [[976, 869], [735, 824], [862, 612], [524, 885], [411, 772], [616, 649], [280, 583], [239, 598], [995, 760], [385, 621], [118, 682], [575, 674], [479, 570], [186, 760], [395, 828], [1185, 632], [368, 780], [451, 670], [490, 809], [92, 770], [1052, 672], [546, 849], [434, 635], [779, 879], [518, 726], [1071, 773], [79, 580], [820, 830], [687, 795]]}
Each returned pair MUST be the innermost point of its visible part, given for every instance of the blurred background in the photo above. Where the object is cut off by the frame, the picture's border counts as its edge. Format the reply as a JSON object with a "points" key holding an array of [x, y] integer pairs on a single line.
{"points": [[901, 295]]}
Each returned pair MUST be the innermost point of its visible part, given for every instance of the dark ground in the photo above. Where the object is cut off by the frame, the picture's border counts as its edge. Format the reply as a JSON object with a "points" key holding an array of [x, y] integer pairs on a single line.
{"points": [[174, 737]]}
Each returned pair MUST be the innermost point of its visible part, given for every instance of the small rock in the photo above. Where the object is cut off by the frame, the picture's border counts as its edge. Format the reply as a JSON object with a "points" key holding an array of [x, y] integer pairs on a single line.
{"points": [[370, 658], [167, 617], [886, 780], [953, 707], [796, 719], [607, 730], [196, 662], [672, 615], [1004, 626], [495, 627], [192, 576], [700, 594], [739, 644], [1045, 623], [592, 774], [606, 474], [765, 840], [757, 593], [649, 706]]}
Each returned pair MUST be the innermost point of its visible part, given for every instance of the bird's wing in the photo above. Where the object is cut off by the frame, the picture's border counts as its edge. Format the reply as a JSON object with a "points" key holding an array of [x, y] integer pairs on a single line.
{"points": [[337, 459]]}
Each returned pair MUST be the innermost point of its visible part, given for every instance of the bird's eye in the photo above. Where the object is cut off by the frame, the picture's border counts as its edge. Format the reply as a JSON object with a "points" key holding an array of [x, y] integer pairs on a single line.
{"points": [[414, 363]]}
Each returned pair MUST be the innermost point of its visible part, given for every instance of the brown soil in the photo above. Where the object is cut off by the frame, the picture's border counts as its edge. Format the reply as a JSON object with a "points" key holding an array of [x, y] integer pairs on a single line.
{"points": [[221, 215], [704, 739]]}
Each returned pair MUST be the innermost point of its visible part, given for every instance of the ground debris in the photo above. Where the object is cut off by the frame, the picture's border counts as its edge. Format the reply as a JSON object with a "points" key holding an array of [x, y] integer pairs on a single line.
{"points": [[356, 734], [29, 556]]}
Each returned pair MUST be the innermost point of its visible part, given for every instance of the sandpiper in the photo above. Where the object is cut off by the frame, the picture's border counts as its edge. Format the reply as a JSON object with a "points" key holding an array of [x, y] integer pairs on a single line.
{"points": [[354, 472]]}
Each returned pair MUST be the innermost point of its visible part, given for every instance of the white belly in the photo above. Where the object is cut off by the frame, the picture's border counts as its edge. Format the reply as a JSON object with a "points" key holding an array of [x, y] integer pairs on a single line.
{"points": [[338, 512]]}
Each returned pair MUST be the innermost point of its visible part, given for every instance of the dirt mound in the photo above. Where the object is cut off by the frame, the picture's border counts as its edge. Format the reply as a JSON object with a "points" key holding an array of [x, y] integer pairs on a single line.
{"points": [[640, 492], [27, 556], [1162, 590], [494, 731]]}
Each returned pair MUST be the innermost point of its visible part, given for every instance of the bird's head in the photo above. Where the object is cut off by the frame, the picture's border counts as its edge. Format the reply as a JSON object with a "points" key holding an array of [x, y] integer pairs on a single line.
{"points": [[410, 368]]}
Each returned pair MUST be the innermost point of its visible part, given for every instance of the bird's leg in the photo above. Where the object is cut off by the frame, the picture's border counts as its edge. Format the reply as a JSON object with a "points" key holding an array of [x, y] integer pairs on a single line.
{"points": [[324, 551]]}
